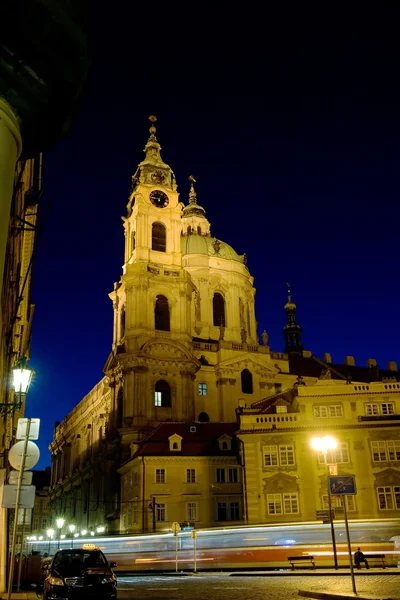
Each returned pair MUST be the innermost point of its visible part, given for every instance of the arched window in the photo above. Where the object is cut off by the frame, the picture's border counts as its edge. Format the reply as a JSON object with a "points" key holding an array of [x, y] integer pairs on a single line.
{"points": [[175, 446], [225, 446], [158, 237], [199, 229], [162, 394], [218, 310], [247, 381], [161, 314], [204, 418], [189, 230]]}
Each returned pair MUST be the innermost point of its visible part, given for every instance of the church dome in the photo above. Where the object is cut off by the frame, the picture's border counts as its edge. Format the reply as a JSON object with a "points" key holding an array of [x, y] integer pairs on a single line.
{"points": [[209, 246]]}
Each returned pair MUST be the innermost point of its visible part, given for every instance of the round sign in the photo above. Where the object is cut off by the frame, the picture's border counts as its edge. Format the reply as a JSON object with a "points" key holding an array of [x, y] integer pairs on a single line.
{"points": [[31, 457]]}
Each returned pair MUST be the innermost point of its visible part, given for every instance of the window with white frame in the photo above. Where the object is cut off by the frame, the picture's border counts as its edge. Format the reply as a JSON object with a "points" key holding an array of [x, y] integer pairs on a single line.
{"points": [[232, 475], [191, 511], [339, 455], [337, 502], [279, 504], [384, 450], [161, 512], [202, 388], [279, 456], [190, 475], [388, 497], [220, 475], [379, 408], [160, 475], [329, 411]]}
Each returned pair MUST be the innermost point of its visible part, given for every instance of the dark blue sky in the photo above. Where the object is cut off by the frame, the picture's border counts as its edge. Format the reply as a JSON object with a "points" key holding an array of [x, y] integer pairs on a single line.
{"points": [[292, 133]]}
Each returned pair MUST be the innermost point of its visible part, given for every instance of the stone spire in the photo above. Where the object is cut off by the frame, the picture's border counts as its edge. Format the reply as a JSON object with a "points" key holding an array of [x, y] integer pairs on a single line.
{"points": [[153, 170], [292, 331], [193, 208]]}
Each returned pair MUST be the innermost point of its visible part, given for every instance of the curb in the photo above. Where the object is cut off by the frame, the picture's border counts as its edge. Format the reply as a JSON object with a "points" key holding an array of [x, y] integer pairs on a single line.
{"points": [[329, 596]]}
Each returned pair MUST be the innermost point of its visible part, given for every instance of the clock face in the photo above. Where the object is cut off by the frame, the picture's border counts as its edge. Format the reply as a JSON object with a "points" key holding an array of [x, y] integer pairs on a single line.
{"points": [[159, 199]]}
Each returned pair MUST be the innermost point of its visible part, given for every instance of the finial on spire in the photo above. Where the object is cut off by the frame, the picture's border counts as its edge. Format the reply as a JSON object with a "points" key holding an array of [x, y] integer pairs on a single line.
{"points": [[289, 293], [192, 193], [152, 128]]}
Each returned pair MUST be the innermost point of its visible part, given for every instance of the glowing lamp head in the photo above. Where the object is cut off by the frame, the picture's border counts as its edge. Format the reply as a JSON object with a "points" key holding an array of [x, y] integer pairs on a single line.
{"points": [[40, 537], [50, 533], [71, 528], [100, 529], [84, 531], [323, 444], [60, 522], [22, 376]]}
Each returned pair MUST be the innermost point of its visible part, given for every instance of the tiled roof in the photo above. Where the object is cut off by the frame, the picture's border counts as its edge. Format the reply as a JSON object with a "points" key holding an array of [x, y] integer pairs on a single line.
{"points": [[313, 367], [202, 442]]}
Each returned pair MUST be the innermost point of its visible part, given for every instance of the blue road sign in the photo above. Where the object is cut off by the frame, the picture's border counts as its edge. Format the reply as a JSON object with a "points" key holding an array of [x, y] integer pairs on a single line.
{"points": [[342, 485]]}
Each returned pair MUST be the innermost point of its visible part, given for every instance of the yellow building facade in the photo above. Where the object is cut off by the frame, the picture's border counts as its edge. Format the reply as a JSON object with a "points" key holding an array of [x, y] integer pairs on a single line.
{"points": [[286, 480]]}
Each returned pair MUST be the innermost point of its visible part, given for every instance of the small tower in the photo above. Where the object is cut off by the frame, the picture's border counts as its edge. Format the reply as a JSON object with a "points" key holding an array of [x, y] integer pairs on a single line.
{"points": [[292, 331], [193, 215]]}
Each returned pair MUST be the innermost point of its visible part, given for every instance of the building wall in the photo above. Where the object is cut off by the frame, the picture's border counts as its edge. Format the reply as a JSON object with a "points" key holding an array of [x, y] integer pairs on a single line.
{"points": [[142, 479], [304, 483]]}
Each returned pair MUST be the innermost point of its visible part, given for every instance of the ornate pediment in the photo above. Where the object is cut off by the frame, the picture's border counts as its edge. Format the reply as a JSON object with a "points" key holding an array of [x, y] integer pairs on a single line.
{"points": [[246, 361], [167, 350], [280, 482], [387, 477]]}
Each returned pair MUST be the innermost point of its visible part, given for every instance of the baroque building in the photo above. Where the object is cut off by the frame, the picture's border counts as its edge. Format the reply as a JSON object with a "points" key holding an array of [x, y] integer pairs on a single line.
{"points": [[186, 361]]}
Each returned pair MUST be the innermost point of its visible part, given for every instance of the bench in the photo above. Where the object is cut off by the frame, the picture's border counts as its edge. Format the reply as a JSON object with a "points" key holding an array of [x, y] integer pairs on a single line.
{"points": [[374, 557], [303, 558]]}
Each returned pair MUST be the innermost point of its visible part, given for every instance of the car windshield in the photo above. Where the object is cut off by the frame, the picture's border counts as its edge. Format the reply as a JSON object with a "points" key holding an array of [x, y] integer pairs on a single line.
{"points": [[74, 562]]}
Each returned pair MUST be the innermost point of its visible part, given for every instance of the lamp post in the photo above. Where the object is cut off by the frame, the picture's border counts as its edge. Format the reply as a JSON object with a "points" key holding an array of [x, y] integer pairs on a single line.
{"points": [[71, 530], [59, 522], [323, 445], [50, 534], [22, 376]]}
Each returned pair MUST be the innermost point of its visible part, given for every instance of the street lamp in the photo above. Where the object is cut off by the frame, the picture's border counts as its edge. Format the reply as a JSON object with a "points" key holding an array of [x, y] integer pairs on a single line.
{"points": [[71, 530], [84, 532], [50, 534], [323, 445], [59, 522], [100, 529], [22, 377]]}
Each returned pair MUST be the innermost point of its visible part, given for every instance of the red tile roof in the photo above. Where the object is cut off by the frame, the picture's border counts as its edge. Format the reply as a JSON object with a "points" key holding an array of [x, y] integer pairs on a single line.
{"points": [[202, 442]]}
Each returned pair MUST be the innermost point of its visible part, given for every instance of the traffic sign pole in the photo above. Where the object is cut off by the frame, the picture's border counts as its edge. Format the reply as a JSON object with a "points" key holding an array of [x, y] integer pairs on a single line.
{"points": [[14, 538], [332, 526], [353, 581]]}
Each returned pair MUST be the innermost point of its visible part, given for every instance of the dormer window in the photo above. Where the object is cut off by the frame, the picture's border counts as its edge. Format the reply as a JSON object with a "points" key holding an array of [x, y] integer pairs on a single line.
{"points": [[225, 443], [175, 443]]}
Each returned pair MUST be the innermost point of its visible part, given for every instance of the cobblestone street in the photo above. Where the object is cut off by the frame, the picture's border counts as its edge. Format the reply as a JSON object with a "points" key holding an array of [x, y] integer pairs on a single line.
{"points": [[223, 587]]}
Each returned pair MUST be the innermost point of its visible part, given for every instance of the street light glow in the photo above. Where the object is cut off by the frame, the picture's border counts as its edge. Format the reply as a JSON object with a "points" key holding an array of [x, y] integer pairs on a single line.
{"points": [[60, 522], [100, 529], [84, 531], [50, 533], [71, 528], [323, 444]]}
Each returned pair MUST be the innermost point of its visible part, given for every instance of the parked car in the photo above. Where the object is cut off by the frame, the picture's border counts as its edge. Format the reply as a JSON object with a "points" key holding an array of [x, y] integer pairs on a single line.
{"points": [[80, 573]]}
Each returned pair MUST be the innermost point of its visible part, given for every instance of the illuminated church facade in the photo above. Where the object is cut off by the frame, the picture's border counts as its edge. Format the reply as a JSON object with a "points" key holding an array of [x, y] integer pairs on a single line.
{"points": [[173, 431]]}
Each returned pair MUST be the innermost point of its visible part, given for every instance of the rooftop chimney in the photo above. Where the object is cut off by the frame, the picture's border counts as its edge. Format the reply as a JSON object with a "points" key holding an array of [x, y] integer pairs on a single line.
{"points": [[371, 362], [392, 366], [327, 357], [349, 361]]}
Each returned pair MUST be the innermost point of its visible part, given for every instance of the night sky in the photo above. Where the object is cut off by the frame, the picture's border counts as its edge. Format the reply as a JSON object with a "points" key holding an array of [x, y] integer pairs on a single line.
{"points": [[290, 125]]}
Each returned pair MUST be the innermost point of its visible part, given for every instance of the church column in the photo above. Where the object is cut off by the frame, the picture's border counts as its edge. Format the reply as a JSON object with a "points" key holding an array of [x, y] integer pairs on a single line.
{"points": [[187, 407], [141, 411], [252, 311], [234, 316]]}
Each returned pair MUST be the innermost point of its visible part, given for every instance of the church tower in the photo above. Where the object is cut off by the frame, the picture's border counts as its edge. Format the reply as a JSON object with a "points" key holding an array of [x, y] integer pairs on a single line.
{"points": [[185, 343], [152, 306], [292, 331]]}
